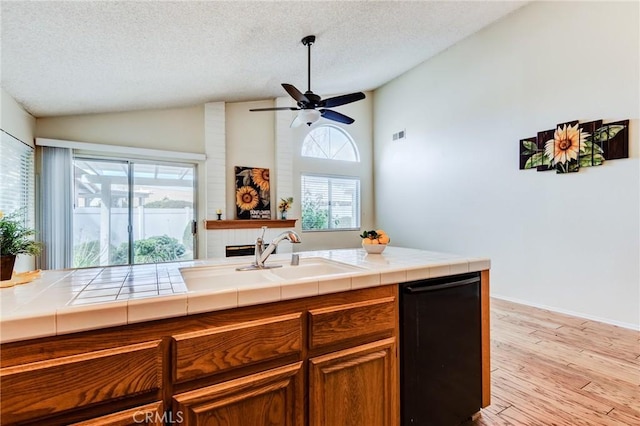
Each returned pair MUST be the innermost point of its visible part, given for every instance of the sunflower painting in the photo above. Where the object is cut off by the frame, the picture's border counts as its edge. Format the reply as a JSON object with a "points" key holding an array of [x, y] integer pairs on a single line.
{"points": [[563, 150], [253, 200], [573, 145]]}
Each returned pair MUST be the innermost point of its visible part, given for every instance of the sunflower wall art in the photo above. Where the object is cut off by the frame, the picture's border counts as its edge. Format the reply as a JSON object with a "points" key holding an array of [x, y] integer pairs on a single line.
{"points": [[573, 145], [253, 199]]}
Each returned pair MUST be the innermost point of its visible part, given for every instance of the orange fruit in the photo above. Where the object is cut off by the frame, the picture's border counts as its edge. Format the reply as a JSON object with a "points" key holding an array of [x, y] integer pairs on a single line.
{"points": [[366, 241], [384, 239], [380, 232]]}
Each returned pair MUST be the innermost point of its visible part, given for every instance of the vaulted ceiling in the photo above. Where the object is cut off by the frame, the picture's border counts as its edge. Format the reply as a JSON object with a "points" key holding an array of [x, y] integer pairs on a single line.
{"points": [[61, 58]]}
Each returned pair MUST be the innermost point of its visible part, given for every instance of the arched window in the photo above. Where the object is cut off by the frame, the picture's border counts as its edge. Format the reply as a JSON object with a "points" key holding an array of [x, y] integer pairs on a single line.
{"points": [[330, 142], [330, 202]]}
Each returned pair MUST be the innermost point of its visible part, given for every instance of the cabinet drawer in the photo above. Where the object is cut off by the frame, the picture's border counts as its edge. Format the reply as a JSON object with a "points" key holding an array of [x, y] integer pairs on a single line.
{"points": [[219, 349], [340, 323], [44, 388], [150, 414]]}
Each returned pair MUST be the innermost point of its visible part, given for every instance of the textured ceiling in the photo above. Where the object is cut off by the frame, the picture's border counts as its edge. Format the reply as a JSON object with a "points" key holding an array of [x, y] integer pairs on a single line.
{"points": [[61, 58]]}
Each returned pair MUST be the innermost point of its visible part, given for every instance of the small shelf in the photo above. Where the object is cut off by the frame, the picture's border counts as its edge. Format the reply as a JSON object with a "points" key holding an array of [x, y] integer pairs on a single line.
{"points": [[250, 224]]}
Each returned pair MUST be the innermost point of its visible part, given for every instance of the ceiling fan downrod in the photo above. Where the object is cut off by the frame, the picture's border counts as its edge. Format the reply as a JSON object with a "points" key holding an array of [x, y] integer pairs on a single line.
{"points": [[308, 41]]}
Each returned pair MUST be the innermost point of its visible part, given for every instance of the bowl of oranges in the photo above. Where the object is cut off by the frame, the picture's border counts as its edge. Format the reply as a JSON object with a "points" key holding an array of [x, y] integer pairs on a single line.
{"points": [[375, 241]]}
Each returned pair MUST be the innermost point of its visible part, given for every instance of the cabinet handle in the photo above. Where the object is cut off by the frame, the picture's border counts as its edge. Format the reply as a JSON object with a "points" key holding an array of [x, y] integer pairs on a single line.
{"points": [[423, 287]]}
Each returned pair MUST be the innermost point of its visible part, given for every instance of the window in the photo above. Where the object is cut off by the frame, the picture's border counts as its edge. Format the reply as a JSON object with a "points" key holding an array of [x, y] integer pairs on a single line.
{"points": [[132, 212], [330, 199], [330, 203], [17, 178], [331, 143]]}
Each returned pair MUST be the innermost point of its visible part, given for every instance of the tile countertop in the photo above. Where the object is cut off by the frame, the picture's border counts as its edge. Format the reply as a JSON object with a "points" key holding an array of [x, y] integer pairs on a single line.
{"points": [[67, 301]]}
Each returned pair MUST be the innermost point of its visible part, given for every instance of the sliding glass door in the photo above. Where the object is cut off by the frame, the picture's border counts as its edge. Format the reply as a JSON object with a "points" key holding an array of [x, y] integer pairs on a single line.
{"points": [[163, 212], [129, 212]]}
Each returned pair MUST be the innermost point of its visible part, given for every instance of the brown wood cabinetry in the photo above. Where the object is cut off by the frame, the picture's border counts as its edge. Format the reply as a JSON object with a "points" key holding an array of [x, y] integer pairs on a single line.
{"points": [[353, 386], [150, 414], [217, 349], [343, 323], [48, 387], [274, 397], [323, 360]]}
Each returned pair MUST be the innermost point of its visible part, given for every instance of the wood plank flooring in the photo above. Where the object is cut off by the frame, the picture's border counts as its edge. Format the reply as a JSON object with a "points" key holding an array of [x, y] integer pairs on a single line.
{"points": [[554, 369]]}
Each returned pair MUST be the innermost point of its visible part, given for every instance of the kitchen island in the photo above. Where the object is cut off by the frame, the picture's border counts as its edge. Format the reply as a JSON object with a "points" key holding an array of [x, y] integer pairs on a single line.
{"points": [[197, 341]]}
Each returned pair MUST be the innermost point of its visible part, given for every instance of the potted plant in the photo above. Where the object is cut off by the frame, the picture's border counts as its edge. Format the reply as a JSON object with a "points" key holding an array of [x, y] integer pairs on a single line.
{"points": [[284, 206], [15, 239]]}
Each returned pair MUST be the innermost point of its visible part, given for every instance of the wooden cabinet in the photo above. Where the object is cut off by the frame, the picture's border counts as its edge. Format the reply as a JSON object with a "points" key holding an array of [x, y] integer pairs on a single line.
{"points": [[217, 349], [150, 415], [355, 386], [345, 322], [323, 360], [49, 387], [272, 398]]}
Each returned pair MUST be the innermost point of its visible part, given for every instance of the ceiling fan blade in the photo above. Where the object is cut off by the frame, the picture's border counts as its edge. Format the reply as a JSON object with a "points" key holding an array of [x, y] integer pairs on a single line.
{"points": [[275, 109], [342, 100], [336, 116], [295, 93]]}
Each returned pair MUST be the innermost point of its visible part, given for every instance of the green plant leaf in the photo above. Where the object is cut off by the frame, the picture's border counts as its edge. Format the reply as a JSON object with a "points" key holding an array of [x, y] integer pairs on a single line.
{"points": [[598, 149], [530, 146], [606, 132], [598, 159], [587, 161], [535, 160]]}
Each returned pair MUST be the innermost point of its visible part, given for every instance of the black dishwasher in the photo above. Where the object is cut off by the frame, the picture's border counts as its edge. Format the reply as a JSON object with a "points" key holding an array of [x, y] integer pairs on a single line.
{"points": [[440, 356]]}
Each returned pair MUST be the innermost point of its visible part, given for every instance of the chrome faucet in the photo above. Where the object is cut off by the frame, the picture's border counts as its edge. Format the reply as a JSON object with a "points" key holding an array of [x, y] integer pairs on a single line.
{"points": [[261, 254]]}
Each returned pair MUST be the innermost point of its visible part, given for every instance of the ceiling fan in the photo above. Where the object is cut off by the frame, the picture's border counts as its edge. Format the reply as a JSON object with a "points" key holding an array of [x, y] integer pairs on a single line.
{"points": [[312, 106]]}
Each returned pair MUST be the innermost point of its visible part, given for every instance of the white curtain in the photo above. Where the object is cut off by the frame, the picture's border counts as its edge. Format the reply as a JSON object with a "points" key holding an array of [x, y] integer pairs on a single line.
{"points": [[56, 191]]}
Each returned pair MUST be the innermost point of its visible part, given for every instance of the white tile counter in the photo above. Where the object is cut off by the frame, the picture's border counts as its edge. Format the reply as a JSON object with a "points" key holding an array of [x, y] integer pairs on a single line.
{"points": [[66, 301]]}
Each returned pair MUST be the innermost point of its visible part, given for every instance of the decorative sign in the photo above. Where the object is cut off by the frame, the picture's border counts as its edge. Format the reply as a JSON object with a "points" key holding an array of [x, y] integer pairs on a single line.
{"points": [[253, 200], [573, 145]]}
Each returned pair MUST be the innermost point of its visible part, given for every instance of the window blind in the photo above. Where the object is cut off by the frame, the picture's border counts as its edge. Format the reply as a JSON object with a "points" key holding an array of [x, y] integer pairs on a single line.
{"points": [[17, 180], [330, 202]]}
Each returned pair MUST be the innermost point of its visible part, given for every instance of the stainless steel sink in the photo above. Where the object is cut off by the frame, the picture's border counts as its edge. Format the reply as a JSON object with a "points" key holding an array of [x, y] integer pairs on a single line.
{"points": [[226, 276]]}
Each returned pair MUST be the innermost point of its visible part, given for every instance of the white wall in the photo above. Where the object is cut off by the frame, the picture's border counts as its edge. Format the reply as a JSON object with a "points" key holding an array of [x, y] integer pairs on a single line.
{"points": [[569, 242], [20, 124], [174, 129], [15, 120], [250, 143]]}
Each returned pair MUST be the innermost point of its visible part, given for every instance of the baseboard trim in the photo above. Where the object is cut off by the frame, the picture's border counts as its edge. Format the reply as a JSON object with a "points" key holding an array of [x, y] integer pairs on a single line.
{"points": [[635, 327]]}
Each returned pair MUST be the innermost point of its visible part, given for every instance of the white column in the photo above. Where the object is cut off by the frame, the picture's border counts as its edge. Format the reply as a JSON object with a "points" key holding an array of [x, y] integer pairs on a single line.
{"points": [[284, 164], [215, 150]]}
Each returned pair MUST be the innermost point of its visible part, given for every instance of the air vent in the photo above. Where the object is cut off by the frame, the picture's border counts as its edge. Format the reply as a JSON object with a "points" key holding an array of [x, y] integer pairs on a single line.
{"points": [[400, 135]]}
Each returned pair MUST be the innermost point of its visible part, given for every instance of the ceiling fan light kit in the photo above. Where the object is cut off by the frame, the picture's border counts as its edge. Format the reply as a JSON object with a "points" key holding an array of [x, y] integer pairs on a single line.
{"points": [[308, 116], [312, 106]]}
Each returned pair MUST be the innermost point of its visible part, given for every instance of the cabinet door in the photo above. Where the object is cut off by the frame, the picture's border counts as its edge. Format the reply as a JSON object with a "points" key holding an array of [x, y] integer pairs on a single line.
{"points": [[355, 387], [271, 398]]}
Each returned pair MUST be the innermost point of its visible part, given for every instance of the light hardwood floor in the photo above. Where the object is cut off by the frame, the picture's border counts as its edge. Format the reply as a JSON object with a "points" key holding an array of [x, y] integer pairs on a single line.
{"points": [[554, 369]]}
